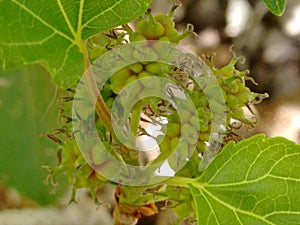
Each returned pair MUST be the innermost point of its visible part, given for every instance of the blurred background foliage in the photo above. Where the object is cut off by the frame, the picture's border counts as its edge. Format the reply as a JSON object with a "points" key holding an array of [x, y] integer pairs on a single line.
{"points": [[270, 45], [28, 111]]}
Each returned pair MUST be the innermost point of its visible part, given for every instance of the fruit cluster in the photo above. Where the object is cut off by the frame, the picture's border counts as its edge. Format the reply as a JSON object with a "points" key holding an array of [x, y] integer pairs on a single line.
{"points": [[159, 27], [153, 30]]}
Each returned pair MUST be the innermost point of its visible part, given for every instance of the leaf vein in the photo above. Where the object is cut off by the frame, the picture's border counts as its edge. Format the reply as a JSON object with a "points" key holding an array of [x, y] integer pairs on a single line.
{"points": [[236, 209], [102, 13], [66, 18], [42, 21], [30, 43]]}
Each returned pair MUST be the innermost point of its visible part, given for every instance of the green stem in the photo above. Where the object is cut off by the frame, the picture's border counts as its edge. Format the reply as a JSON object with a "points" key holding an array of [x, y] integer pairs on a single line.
{"points": [[100, 106], [179, 181], [135, 117]]}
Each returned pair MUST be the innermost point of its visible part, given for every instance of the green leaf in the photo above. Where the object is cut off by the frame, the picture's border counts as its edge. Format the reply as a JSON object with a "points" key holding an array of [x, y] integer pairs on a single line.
{"points": [[256, 181], [26, 112], [277, 7], [52, 32]]}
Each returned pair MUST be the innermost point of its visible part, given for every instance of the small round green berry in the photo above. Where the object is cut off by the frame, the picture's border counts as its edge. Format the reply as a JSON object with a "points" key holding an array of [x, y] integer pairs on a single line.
{"points": [[131, 79], [237, 113], [150, 29], [244, 95], [121, 75], [145, 74], [134, 37], [232, 101], [136, 68], [109, 102], [166, 21], [117, 86], [157, 68]]}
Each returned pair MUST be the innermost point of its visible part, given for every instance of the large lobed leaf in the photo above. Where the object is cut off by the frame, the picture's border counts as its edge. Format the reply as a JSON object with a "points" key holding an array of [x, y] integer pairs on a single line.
{"points": [[277, 7], [256, 181], [53, 31]]}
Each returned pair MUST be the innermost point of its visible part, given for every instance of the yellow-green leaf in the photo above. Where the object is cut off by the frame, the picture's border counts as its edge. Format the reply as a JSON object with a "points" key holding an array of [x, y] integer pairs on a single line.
{"points": [[256, 181]]}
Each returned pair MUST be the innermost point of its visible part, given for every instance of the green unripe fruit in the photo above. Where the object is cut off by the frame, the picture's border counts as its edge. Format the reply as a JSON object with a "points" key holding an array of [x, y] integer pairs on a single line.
{"points": [[237, 113], [173, 117], [164, 39], [173, 35], [150, 29], [173, 130], [106, 92], [203, 125], [234, 86], [133, 37], [130, 79], [136, 68], [166, 21], [244, 95], [121, 75], [82, 175], [232, 101], [157, 68], [204, 113], [109, 102], [226, 71], [117, 86], [199, 99], [144, 74], [201, 112]]}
